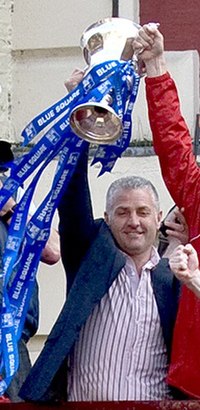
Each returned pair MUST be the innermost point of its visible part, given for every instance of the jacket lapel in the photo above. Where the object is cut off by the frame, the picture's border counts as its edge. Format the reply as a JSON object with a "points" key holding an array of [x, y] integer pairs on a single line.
{"points": [[167, 291]]}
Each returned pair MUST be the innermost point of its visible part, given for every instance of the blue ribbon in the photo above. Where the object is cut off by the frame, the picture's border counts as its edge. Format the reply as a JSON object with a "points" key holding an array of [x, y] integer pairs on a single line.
{"points": [[26, 239]]}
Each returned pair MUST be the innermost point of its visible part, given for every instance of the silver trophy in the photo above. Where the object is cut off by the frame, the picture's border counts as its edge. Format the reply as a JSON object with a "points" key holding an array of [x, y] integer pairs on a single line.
{"points": [[107, 39]]}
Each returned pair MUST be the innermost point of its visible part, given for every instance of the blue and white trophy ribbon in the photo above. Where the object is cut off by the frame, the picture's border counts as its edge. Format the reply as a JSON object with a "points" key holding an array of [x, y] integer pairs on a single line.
{"points": [[98, 110]]}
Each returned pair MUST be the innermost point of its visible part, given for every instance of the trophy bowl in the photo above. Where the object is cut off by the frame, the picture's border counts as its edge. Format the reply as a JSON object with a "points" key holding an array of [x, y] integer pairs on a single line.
{"points": [[107, 39]]}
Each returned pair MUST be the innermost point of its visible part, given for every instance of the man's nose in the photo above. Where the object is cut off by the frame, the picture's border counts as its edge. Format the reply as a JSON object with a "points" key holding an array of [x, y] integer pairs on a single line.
{"points": [[133, 219]]}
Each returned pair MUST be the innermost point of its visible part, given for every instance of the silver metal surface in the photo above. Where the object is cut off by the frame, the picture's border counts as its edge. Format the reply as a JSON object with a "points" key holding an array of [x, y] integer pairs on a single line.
{"points": [[107, 39], [96, 124]]}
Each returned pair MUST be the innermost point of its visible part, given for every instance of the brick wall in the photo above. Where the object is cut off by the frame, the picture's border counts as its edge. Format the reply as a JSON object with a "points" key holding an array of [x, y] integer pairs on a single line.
{"points": [[179, 22]]}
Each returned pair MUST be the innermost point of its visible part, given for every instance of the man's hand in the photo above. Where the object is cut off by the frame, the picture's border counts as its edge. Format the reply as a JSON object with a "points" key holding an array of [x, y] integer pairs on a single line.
{"points": [[149, 42], [74, 79], [51, 252], [149, 47], [185, 265], [177, 226]]}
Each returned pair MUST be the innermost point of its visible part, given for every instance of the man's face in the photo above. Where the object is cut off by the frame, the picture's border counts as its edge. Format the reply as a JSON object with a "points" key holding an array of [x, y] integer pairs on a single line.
{"points": [[134, 221]]}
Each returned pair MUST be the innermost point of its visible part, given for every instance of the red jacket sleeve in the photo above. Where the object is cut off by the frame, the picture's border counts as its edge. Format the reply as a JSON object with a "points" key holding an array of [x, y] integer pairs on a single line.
{"points": [[173, 145]]}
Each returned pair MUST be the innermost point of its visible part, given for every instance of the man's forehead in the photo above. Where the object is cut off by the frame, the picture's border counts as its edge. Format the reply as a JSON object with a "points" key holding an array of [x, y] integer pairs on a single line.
{"points": [[133, 192], [136, 197]]}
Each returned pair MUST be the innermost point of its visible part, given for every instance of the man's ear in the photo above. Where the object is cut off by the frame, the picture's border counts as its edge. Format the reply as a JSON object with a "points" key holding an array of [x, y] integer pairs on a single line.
{"points": [[106, 217], [160, 215]]}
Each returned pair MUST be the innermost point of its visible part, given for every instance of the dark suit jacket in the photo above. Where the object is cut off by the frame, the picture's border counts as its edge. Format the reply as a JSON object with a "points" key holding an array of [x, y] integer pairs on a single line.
{"points": [[92, 261]]}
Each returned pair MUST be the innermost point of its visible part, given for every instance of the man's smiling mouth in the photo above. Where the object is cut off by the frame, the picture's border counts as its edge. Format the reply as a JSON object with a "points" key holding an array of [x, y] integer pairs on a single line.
{"points": [[134, 234]]}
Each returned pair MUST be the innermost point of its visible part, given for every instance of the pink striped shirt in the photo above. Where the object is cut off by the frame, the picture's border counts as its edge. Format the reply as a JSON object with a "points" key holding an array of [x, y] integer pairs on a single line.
{"points": [[121, 354]]}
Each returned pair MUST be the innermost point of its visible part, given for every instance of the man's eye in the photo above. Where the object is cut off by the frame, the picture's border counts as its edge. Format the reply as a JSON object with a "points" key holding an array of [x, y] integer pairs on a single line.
{"points": [[121, 213], [143, 213]]}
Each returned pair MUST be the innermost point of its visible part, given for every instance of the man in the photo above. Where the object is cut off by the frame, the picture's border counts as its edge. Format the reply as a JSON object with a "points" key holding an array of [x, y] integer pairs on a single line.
{"points": [[50, 255], [113, 336], [173, 145]]}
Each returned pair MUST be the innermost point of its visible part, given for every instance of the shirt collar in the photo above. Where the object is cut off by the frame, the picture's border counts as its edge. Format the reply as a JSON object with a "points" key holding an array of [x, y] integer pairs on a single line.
{"points": [[150, 264]]}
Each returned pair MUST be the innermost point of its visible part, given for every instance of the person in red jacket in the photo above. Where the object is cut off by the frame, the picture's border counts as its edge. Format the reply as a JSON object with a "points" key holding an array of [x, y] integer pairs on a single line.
{"points": [[173, 145]]}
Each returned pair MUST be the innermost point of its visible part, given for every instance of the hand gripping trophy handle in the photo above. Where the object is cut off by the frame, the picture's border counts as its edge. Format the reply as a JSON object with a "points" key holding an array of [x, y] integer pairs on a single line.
{"points": [[107, 39]]}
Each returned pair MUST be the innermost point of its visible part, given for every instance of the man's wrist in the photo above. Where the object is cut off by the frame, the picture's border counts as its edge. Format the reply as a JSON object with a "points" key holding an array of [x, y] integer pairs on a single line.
{"points": [[156, 67], [194, 283]]}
